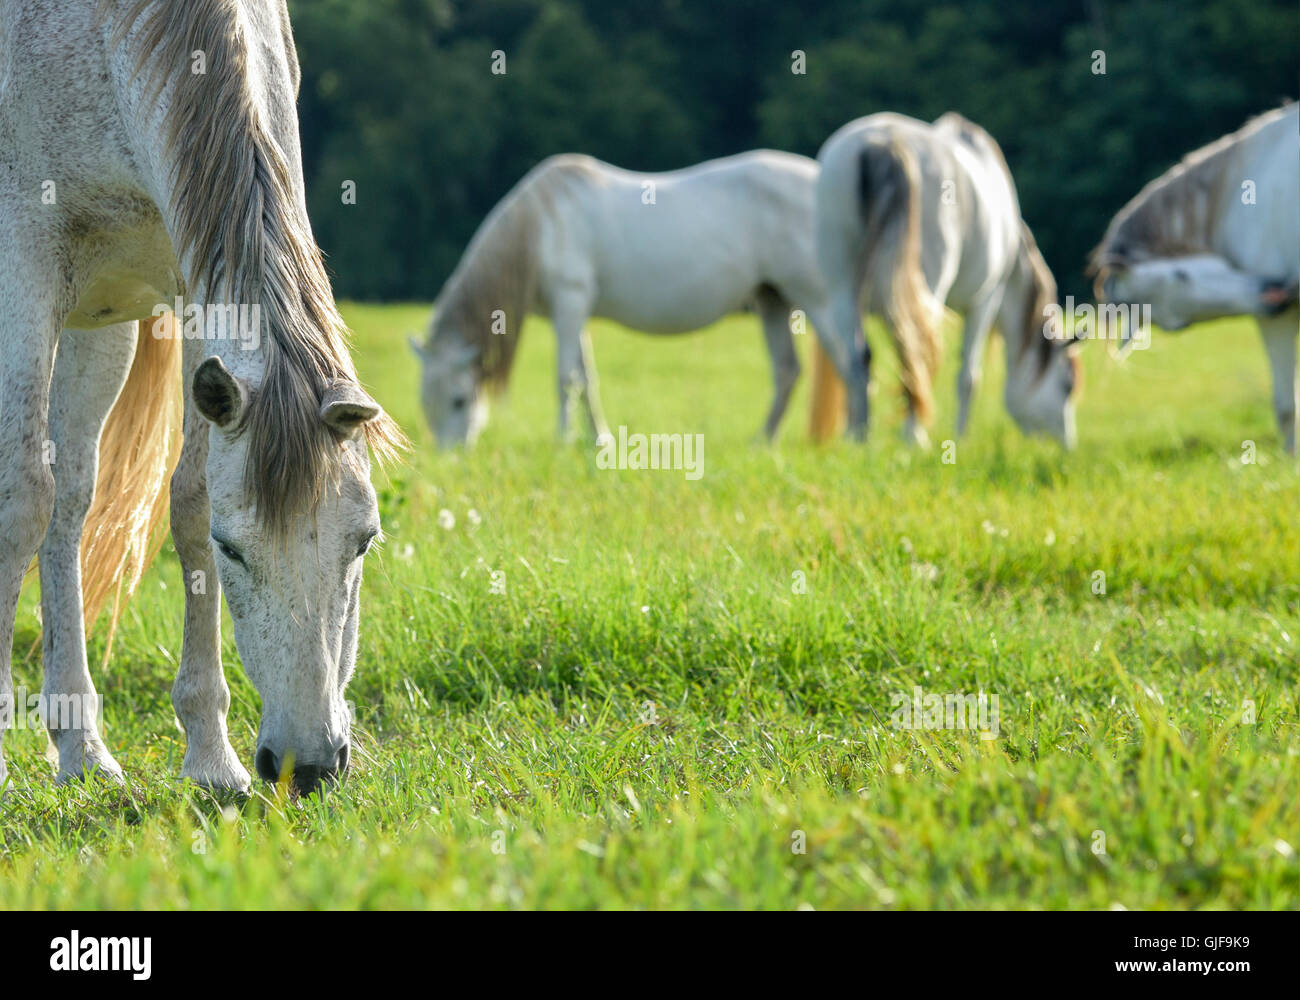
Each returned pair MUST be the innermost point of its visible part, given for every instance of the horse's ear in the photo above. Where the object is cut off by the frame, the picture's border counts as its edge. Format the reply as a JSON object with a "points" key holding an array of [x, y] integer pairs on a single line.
{"points": [[416, 346], [345, 407], [220, 396]]}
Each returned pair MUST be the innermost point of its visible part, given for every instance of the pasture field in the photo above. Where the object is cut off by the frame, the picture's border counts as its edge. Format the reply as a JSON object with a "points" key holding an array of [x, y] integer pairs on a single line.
{"points": [[685, 695]]}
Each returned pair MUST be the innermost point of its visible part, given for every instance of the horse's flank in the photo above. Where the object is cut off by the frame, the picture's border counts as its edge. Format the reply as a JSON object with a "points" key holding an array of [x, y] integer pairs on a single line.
{"points": [[1041, 290], [487, 299], [242, 239]]}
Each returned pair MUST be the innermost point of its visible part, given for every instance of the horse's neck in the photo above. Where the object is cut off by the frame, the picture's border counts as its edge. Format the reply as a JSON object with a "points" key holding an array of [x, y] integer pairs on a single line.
{"points": [[151, 94]]}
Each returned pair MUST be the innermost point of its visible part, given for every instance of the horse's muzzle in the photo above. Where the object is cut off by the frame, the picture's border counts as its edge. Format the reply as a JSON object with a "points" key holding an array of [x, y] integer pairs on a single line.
{"points": [[306, 778]]}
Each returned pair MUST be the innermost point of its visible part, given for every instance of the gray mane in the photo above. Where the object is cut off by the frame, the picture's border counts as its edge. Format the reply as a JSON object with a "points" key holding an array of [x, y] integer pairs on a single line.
{"points": [[484, 303], [235, 212], [1174, 214]]}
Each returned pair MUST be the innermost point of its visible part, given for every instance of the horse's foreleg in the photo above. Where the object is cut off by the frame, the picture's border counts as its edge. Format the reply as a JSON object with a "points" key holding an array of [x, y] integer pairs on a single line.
{"points": [[974, 338], [568, 315], [775, 314], [200, 695], [28, 331], [1280, 336], [89, 371]]}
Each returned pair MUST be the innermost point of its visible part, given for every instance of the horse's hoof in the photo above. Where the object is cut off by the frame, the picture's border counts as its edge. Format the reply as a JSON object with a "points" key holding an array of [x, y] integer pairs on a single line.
{"points": [[99, 768], [220, 771]]}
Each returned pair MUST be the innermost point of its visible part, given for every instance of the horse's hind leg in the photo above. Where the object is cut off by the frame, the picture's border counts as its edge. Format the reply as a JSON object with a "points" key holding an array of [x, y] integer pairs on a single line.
{"points": [[591, 392], [1280, 336], [775, 314], [28, 332], [851, 354], [89, 371]]}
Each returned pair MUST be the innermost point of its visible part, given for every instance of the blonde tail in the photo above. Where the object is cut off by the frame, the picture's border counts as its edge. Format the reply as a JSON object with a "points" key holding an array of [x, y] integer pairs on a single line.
{"points": [[890, 201], [138, 451], [826, 417]]}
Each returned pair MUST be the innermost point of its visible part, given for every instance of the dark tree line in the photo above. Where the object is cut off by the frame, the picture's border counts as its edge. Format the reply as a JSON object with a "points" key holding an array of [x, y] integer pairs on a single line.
{"points": [[400, 97]]}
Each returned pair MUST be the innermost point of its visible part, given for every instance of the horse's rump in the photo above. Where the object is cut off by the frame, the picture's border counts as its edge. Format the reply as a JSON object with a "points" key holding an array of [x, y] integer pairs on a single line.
{"points": [[889, 199]]}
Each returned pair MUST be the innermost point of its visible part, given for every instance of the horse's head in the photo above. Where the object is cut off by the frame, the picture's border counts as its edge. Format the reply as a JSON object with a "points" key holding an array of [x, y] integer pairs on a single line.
{"points": [[1041, 391], [293, 593], [1188, 289], [1043, 371], [452, 393]]}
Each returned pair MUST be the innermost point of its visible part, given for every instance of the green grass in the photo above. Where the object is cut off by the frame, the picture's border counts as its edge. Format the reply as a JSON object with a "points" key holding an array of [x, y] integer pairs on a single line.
{"points": [[652, 715]]}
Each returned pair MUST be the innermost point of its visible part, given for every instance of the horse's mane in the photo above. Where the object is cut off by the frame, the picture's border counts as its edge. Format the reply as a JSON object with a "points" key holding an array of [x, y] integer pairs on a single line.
{"points": [[238, 226], [484, 303], [1173, 215], [1041, 296]]}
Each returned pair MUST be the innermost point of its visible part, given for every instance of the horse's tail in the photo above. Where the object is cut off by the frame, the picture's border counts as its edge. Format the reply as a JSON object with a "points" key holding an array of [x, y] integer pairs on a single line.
{"points": [[138, 450], [889, 200], [827, 413]]}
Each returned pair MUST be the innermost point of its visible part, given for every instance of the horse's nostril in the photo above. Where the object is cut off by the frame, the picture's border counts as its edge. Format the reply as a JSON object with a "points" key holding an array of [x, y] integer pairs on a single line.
{"points": [[268, 765], [307, 778], [310, 777]]}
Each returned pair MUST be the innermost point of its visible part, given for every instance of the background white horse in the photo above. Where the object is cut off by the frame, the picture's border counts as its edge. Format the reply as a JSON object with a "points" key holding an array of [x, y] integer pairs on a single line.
{"points": [[911, 216], [1219, 235], [130, 178], [661, 253]]}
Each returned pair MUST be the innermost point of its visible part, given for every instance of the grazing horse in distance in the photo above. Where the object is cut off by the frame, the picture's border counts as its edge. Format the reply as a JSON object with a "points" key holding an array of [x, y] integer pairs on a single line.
{"points": [[130, 180], [1218, 235], [910, 217], [659, 252]]}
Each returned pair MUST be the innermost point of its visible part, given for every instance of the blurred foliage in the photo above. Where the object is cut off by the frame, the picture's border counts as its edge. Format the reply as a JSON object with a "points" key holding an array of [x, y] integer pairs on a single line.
{"points": [[399, 96]]}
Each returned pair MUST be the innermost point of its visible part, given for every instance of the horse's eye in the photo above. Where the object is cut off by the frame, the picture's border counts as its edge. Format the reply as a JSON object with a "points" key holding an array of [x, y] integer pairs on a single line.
{"points": [[458, 403], [365, 546], [1180, 274], [229, 551]]}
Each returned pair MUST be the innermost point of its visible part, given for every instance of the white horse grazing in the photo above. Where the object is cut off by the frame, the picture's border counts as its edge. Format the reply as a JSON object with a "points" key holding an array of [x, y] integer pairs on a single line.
{"points": [[1219, 235], [130, 178], [662, 253], [912, 216]]}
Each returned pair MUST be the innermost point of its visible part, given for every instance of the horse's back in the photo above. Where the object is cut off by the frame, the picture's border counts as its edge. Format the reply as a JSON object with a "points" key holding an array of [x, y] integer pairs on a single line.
{"points": [[672, 251]]}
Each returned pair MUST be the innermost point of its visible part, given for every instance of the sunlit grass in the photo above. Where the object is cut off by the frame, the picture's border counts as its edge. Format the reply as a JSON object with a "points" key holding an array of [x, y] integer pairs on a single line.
{"points": [[686, 683]]}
